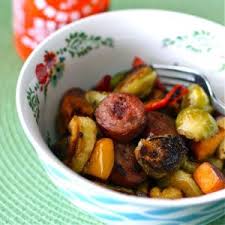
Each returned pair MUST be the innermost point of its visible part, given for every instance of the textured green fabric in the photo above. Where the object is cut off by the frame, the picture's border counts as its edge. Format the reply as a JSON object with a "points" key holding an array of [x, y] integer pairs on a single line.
{"points": [[27, 196]]}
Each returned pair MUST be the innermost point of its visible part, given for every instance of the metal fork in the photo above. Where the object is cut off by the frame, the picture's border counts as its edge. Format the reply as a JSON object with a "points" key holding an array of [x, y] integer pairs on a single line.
{"points": [[171, 75]]}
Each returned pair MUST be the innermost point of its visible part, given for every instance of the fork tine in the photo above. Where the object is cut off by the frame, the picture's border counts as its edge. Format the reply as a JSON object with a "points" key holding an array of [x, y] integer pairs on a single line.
{"points": [[172, 82], [178, 79]]}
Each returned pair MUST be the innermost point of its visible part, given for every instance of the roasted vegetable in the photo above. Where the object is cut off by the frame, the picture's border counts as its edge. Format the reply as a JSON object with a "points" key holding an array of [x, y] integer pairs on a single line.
{"points": [[196, 97], [72, 103], [139, 82], [221, 122], [209, 178], [168, 193], [189, 166], [117, 78], [196, 124], [182, 181], [101, 161], [216, 162], [171, 99], [95, 97], [82, 140], [159, 156], [221, 150], [207, 147]]}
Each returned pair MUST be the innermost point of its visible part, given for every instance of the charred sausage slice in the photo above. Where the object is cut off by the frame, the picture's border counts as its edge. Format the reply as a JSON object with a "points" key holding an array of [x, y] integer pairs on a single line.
{"points": [[126, 171], [121, 116]]}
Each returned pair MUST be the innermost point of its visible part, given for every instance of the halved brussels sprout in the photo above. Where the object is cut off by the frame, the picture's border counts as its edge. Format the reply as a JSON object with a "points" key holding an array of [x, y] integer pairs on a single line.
{"points": [[182, 181], [189, 166], [72, 103], [195, 124], [117, 78], [196, 97], [95, 97], [83, 137], [139, 82]]}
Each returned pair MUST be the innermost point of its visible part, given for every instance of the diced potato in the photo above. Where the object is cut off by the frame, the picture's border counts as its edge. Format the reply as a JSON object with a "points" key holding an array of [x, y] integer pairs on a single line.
{"points": [[209, 178], [207, 147], [84, 136], [196, 124], [139, 82]]}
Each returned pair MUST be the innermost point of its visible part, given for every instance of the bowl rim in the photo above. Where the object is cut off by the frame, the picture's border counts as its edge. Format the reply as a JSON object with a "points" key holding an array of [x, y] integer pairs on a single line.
{"points": [[43, 148]]}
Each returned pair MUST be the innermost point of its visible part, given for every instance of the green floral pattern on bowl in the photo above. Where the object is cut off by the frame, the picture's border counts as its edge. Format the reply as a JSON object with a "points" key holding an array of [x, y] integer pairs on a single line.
{"points": [[78, 44]]}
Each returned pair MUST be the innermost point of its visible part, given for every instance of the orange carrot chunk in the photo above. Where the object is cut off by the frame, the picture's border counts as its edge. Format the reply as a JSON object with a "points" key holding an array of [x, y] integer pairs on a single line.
{"points": [[209, 178], [207, 147]]}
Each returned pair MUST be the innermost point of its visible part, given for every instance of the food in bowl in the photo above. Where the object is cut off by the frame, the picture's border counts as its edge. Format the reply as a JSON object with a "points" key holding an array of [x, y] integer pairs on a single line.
{"points": [[132, 135]]}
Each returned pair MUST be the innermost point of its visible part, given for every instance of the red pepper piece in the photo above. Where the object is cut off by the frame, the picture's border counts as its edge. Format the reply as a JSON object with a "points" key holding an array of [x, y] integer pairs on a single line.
{"points": [[137, 62], [163, 102], [104, 84], [183, 92], [159, 85]]}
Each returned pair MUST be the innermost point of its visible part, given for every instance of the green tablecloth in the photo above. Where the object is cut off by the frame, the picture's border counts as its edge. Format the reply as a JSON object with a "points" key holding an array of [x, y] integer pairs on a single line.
{"points": [[27, 196]]}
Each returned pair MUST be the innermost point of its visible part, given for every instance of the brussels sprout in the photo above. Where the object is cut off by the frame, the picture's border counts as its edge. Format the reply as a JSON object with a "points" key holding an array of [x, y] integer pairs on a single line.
{"points": [[182, 181], [82, 140], [117, 78], [95, 97], [72, 103], [196, 97], [189, 166], [160, 155], [139, 82], [195, 124]]}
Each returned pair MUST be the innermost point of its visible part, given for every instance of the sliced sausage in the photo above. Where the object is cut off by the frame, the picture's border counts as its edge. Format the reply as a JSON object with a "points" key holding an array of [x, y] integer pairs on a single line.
{"points": [[159, 124], [126, 171], [121, 116]]}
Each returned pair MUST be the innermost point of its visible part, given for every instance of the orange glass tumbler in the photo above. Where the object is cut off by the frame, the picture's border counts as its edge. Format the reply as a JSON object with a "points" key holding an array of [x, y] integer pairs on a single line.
{"points": [[34, 20]]}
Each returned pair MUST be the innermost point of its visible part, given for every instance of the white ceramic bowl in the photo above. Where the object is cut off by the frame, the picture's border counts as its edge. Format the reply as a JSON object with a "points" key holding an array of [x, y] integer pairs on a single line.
{"points": [[106, 44]]}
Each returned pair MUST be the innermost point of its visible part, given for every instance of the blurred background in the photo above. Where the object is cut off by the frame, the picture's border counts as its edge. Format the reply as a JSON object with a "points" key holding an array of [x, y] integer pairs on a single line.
{"points": [[38, 201]]}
